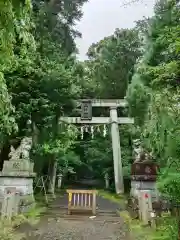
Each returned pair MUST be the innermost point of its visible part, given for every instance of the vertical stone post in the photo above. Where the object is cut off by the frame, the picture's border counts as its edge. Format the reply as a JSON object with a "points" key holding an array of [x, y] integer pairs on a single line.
{"points": [[60, 176], [145, 206], [118, 173], [8, 203], [16, 204], [106, 178]]}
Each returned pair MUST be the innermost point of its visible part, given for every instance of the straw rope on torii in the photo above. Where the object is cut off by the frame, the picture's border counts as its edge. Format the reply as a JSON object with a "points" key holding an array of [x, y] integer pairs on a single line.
{"points": [[87, 119]]}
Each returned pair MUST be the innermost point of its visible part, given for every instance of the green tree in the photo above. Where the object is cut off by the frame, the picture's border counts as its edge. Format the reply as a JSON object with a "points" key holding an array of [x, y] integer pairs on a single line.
{"points": [[154, 94], [41, 77], [15, 27], [113, 61]]}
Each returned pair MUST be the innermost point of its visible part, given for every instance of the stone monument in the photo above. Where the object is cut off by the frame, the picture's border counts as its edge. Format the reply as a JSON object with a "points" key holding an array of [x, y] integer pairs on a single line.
{"points": [[143, 172], [60, 177], [18, 172], [106, 178]]}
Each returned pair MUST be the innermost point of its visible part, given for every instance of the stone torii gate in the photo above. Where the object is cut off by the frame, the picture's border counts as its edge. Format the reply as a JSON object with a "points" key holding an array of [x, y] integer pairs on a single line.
{"points": [[113, 120]]}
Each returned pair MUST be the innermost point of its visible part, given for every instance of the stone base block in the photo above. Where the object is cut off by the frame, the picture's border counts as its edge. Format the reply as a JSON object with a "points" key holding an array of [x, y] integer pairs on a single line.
{"points": [[136, 186], [24, 185]]}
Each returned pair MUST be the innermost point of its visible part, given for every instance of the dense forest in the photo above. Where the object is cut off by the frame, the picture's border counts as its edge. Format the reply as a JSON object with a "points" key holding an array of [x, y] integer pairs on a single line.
{"points": [[41, 77]]}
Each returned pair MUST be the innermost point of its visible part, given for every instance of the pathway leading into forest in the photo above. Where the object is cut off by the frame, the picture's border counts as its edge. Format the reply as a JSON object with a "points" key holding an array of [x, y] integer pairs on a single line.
{"points": [[55, 224]]}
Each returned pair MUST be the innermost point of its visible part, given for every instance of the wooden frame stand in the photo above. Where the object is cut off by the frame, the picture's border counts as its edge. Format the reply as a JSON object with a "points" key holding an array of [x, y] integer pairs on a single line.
{"points": [[82, 200]]}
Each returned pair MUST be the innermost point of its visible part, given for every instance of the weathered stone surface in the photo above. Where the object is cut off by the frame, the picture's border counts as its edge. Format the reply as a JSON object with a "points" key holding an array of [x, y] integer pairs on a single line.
{"points": [[23, 185], [137, 186], [17, 167], [18, 171], [22, 152]]}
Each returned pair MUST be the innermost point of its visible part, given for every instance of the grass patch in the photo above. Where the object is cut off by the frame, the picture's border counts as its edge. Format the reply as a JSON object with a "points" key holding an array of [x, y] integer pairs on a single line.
{"points": [[34, 214], [113, 197], [8, 228], [41, 199], [7, 231], [166, 226]]}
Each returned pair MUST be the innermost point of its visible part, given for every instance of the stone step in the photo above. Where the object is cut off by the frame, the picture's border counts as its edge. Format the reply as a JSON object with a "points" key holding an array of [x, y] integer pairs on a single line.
{"points": [[107, 220], [79, 215], [56, 207], [73, 217]]}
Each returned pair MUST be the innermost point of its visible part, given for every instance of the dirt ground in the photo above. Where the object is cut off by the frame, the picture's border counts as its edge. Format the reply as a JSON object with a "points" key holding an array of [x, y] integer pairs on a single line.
{"points": [[55, 224]]}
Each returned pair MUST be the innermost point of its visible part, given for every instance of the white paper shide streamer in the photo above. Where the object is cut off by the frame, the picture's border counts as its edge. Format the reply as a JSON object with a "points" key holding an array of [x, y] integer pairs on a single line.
{"points": [[82, 132], [92, 132], [104, 130], [92, 129]]}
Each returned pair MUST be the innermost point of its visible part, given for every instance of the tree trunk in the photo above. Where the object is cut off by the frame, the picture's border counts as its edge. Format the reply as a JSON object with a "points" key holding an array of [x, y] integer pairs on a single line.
{"points": [[35, 133], [52, 177]]}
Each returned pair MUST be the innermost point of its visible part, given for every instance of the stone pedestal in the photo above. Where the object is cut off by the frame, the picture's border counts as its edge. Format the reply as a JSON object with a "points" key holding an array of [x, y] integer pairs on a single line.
{"points": [[18, 174], [143, 177], [137, 186], [24, 185], [145, 206]]}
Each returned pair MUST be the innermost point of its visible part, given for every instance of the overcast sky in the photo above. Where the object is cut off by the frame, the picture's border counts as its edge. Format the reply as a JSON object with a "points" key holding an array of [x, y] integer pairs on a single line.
{"points": [[102, 17]]}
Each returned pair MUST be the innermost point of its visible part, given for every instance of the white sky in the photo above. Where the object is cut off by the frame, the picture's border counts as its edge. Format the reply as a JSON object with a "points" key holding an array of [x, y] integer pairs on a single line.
{"points": [[102, 17]]}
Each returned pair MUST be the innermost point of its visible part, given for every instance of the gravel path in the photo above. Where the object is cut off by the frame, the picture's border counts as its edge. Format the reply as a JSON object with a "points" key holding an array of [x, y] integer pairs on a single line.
{"points": [[57, 225]]}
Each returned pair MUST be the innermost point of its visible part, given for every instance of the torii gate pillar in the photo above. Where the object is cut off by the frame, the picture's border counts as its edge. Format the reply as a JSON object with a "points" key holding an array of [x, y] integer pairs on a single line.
{"points": [[118, 172]]}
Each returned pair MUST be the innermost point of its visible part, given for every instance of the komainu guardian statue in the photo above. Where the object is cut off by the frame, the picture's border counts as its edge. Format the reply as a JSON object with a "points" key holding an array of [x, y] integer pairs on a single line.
{"points": [[22, 152], [140, 155]]}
